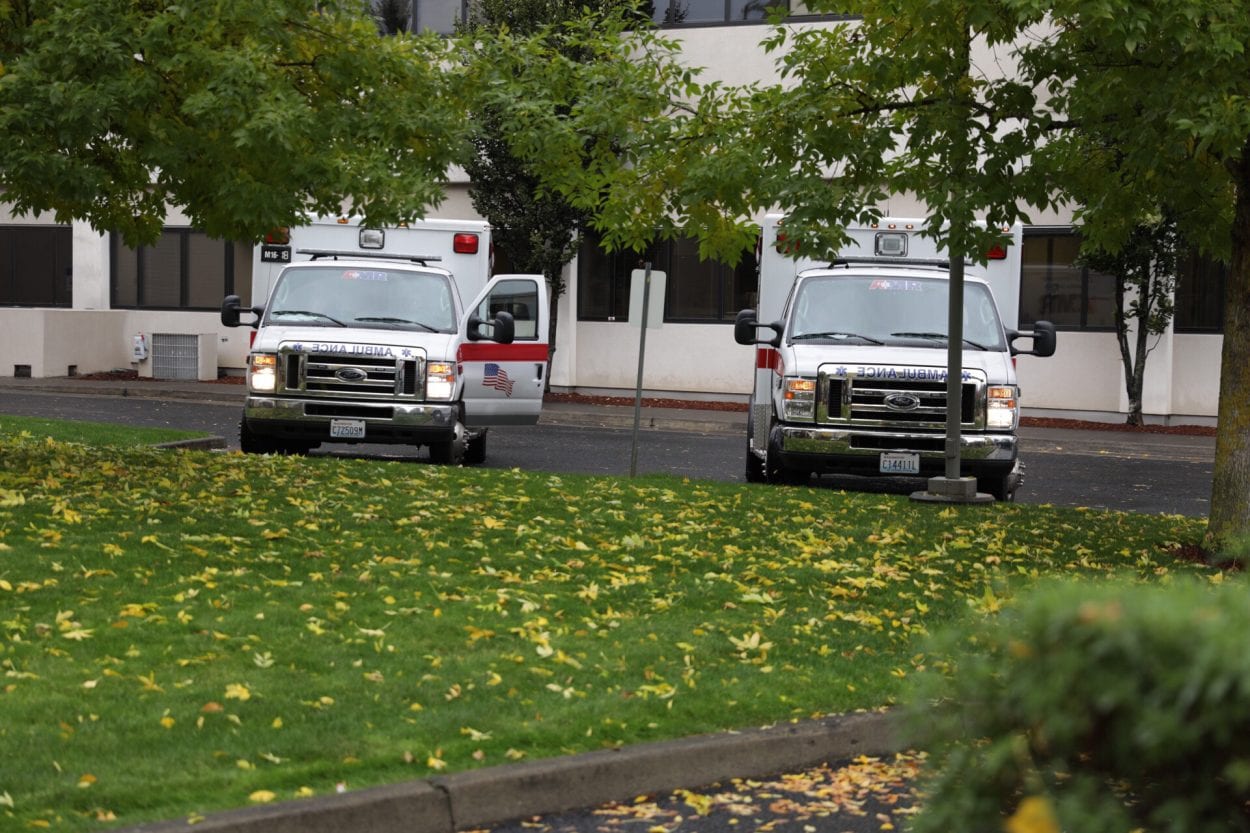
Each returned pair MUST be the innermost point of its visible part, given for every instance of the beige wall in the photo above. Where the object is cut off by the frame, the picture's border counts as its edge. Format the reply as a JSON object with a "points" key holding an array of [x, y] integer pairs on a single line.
{"points": [[695, 358], [51, 341]]}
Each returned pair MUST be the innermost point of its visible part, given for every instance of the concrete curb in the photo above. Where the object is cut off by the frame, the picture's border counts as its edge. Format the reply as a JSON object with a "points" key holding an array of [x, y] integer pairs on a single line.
{"points": [[606, 417], [497, 794], [205, 393], [195, 444]]}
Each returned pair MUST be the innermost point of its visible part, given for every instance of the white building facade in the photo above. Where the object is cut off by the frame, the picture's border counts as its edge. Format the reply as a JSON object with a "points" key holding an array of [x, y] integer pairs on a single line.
{"points": [[74, 302]]}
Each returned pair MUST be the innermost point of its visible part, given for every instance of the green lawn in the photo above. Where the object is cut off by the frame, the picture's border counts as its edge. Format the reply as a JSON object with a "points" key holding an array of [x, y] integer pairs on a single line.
{"points": [[185, 632], [91, 433]]}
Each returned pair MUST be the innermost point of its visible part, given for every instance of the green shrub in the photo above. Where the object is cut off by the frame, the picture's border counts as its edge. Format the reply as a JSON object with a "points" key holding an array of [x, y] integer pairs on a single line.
{"points": [[1094, 708]]}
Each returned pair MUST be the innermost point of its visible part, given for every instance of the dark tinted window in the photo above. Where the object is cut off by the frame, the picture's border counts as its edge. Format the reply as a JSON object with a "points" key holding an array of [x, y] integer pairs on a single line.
{"points": [[1055, 288], [697, 290], [1200, 285], [35, 266], [184, 269]]}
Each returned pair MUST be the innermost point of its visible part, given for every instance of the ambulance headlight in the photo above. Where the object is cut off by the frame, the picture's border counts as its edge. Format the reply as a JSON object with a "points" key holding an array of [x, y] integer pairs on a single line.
{"points": [[262, 372], [1002, 407], [440, 380], [798, 399]]}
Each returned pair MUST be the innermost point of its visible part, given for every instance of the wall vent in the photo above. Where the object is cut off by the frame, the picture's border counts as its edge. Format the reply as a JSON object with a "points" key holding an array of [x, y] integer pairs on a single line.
{"points": [[176, 356]]}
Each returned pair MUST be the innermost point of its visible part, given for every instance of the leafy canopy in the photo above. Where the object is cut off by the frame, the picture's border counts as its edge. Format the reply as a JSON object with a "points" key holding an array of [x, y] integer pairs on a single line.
{"points": [[243, 114]]}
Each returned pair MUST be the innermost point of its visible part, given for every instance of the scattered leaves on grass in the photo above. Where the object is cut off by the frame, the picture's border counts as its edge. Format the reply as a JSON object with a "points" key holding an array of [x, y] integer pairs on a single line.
{"points": [[368, 609]]}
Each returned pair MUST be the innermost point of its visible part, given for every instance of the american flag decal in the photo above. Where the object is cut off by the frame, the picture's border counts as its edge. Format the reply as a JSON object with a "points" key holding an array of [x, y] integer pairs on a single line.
{"points": [[496, 377]]}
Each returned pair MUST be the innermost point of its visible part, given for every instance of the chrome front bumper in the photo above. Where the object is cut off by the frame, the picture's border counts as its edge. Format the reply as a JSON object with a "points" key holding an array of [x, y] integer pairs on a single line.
{"points": [[840, 449], [384, 421]]}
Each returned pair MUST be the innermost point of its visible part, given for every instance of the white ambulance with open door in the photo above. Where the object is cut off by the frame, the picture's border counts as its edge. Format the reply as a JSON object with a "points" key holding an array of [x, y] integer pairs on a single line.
{"points": [[395, 335]]}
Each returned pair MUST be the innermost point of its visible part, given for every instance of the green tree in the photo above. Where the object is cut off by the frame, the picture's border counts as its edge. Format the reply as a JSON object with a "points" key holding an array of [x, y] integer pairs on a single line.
{"points": [[244, 114], [537, 227], [1157, 102], [391, 15], [1144, 269], [622, 131]]}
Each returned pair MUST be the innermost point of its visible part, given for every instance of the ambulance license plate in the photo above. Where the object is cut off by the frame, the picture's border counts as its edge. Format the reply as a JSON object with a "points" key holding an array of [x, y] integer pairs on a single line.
{"points": [[897, 462], [347, 429]]}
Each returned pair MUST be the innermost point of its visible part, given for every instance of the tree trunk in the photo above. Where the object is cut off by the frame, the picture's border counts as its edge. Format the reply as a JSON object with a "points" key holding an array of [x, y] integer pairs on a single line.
{"points": [[1126, 357], [1228, 533], [555, 288], [1138, 381]]}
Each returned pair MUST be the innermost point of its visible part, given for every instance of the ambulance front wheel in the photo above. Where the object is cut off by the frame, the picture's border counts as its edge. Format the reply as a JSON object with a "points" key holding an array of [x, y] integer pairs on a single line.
{"points": [[450, 452], [475, 449], [252, 443], [1002, 487], [755, 472]]}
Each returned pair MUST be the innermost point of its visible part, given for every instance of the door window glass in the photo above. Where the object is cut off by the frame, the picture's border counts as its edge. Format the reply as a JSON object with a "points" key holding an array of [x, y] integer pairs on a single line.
{"points": [[518, 297]]}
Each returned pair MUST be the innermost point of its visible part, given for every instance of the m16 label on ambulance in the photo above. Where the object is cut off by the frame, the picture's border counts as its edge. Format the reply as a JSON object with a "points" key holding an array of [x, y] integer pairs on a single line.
{"points": [[850, 363], [363, 338]]}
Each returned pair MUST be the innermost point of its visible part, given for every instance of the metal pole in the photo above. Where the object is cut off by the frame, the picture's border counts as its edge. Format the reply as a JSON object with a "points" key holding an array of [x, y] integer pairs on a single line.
{"points": [[954, 364], [642, 353]]}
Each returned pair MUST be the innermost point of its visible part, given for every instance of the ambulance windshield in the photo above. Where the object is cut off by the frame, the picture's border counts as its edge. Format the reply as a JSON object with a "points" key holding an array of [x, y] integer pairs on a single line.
{"points": [[333, 295], [911, 311]]}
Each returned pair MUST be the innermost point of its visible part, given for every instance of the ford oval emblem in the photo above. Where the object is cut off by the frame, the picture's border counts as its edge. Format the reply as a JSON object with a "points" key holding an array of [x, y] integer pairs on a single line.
{"points": [[351, 374], [902, 402]]}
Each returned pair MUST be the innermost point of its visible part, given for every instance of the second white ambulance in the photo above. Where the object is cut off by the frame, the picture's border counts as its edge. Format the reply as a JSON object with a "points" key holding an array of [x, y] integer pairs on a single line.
{"points": [[851, 361]]}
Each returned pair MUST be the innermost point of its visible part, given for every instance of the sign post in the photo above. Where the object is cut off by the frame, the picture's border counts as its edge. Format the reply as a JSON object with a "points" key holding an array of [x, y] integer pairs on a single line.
{"points": [[640, 315]]}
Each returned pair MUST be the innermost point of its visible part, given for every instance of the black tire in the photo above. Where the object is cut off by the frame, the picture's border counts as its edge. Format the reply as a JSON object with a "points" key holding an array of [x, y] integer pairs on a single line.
{"points": [[475, 450], [998, 487], [755, 472], [776, 472], [448, 453], [252, 443]]}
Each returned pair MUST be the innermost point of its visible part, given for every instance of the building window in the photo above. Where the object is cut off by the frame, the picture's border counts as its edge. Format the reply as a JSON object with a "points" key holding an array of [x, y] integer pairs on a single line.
{"points": [[707, 290], [440, 16], [708, 12], [1200, 285], [603, 279], [36, 266], [1055, 287], [184, 269], [697, 290], [717, 12]]}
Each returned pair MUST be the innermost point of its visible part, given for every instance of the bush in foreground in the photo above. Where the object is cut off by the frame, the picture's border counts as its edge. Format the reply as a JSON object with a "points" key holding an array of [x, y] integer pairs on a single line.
{"points": [[1096, 708]]}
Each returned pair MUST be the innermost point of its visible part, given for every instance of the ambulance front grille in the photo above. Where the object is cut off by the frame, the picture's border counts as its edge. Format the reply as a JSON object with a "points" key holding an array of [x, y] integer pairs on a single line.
{"points": [[350, 376], [896, 404]]}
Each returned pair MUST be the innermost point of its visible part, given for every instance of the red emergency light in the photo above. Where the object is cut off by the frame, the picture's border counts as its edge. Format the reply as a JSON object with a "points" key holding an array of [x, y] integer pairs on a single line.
{"points": [[996, 253], [464, 244], [278, 237]]}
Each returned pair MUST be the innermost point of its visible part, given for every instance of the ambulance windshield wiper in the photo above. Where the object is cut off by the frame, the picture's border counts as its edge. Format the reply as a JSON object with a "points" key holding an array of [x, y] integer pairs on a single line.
{"points": [[836, 334], [939, 337], [381, 319], [309, 314]]}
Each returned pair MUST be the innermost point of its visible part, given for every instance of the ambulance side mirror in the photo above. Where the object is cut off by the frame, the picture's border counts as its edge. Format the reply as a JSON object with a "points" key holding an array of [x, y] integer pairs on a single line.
{"points": [[502, 328], [1043, 336], [231, 308], [746, 329]]}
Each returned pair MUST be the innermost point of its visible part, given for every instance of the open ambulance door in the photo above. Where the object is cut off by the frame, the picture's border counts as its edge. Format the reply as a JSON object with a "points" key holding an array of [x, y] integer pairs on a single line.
{"points": [[503, 383]]}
